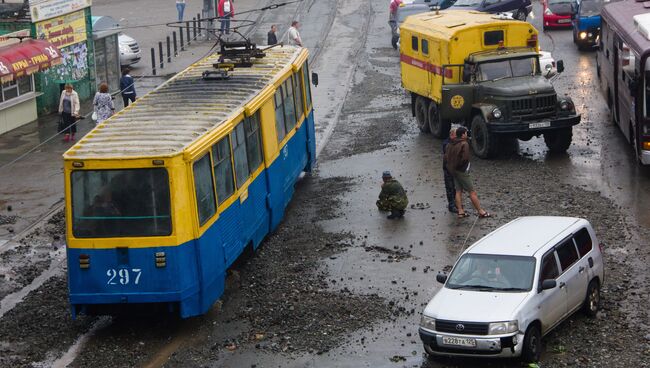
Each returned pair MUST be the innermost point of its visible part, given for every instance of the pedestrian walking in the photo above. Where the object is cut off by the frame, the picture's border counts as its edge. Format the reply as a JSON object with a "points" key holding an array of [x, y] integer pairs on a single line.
{"points": [[180, 7], [127, 86], [272, 39], [226, 10], [457, 158], [450, 188], [69, 111], [103, 104], [392, 14], [392, 197], [294, 35]]}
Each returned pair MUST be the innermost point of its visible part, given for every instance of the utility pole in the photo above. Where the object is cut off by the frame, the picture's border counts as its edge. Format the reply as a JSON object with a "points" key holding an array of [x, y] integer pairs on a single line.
{"points": [[208, 13]]}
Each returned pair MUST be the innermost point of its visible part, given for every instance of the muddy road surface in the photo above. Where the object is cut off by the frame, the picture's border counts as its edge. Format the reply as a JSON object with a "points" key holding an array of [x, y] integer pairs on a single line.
{"points": [[338, 284]]}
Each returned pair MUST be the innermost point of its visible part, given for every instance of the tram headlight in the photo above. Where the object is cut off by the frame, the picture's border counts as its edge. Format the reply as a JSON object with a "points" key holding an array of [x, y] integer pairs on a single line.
{"points": [[583, 35], [496, 113]]}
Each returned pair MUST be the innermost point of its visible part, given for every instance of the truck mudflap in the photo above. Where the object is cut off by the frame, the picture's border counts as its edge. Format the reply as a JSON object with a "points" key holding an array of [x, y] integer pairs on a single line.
{"points": [[534, 126]]}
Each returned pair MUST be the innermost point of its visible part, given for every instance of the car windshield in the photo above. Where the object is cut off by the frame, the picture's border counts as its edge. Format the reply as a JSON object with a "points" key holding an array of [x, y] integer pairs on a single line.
{"points": [[486, 272], [590, 7], [467, 3], [507, 68]]}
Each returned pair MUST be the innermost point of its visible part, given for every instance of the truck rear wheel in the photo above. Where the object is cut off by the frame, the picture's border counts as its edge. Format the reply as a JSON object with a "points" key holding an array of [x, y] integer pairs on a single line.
{"points": [[484, 144], [421, 113], [558, 141], [438, 127]]}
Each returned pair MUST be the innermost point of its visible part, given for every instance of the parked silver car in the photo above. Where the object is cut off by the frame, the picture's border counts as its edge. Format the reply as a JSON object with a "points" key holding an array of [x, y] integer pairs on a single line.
{"points": [[129, 50], [514, 286]]}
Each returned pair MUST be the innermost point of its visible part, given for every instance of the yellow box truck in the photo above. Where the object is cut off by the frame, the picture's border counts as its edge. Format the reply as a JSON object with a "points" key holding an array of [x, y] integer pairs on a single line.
{"points": [[482, 70]]}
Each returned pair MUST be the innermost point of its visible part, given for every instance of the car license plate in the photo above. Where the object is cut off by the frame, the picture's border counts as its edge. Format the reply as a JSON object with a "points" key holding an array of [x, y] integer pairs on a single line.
{"points": [[459, 341], [564, 20], [543, 124]]}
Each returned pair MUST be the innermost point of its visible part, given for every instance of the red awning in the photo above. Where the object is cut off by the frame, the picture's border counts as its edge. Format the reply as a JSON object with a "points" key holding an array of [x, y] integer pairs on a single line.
{"points": [[27, 57]]}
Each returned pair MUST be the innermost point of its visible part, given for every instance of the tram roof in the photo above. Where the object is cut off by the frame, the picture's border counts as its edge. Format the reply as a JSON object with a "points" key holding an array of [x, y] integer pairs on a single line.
{"points": [[170, 118], [450, 22], [620, 15]]}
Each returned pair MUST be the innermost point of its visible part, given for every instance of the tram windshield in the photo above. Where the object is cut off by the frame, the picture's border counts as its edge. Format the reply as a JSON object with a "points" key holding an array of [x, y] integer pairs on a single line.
{"points": [[120, 203]]}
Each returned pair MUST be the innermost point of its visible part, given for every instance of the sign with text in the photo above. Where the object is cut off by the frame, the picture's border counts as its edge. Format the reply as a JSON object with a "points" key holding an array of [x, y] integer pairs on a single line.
{"points": [[64, 30], [46, 9]]}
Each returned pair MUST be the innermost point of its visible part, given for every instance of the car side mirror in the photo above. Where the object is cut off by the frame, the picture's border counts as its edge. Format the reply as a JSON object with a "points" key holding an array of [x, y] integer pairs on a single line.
{"points": [[314, 79], [441, 278], [548, 284], [467, 73], [559, 66]]}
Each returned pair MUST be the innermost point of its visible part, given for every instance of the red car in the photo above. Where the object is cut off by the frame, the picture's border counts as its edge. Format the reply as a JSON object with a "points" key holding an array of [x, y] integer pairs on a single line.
{"points": [[558, 13]]}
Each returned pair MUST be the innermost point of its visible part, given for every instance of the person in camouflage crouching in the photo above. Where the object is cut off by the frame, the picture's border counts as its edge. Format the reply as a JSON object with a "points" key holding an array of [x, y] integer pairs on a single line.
{"points": [[392, 197]]}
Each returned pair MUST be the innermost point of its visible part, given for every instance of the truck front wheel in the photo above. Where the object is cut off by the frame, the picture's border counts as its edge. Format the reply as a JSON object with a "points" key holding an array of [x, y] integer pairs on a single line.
{"points": [[484, 144], [421, 112], [558, 141]]}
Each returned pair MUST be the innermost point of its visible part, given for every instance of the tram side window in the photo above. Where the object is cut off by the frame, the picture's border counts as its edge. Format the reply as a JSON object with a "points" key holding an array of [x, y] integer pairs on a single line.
{"points": [[205, 201], [289, 105], [120, 203], [223, 169], [279, 115], [253, 141], [239, 153], [298, 91], [305, 73]]}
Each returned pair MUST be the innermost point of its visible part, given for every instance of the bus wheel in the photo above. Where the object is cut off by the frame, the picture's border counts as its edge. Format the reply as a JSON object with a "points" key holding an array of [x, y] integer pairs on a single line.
{"points": [[558, 141], [421, 107], [438, 127], [483, 143]]}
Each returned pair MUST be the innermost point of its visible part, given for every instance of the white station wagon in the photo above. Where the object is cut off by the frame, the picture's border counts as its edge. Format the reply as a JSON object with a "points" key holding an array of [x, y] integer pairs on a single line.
{"points": [[512, 287]]}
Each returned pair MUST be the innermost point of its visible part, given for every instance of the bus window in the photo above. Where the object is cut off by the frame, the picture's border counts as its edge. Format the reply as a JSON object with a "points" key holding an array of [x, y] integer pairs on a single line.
{"points": [[305, 73], [297, 87], [253, 141], [279, 115], [223, 169], [289, 105], [117, 203], [205, 201], [239, 154]]}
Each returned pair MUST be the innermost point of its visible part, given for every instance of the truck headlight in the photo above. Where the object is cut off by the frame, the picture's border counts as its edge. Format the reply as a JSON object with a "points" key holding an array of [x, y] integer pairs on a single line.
{"points": [[583, 35], [428, 323], [500, 328], [565, 105], [496, 113]]}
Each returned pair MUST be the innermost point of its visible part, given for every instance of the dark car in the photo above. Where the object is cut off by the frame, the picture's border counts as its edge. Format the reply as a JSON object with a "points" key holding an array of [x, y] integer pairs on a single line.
{"points": [[416, 7], [519, 8]]}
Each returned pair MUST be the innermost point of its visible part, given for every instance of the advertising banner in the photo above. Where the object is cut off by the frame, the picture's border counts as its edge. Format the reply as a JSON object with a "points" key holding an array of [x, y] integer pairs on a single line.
{"points": [[64, 30], [46, 9]]}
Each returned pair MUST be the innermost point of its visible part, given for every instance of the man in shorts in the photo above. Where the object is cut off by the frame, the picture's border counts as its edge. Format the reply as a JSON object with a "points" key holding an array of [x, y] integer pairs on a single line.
{"points": [[457, 159]]}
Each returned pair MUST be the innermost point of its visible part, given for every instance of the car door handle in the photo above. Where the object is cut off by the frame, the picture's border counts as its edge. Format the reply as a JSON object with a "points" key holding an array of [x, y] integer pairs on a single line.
{"points": [[562, 285], [581, 269]]}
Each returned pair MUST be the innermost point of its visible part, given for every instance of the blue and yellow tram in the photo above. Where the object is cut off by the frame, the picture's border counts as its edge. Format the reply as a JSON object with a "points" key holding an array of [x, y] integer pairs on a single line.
{"points": [[165, 195]]}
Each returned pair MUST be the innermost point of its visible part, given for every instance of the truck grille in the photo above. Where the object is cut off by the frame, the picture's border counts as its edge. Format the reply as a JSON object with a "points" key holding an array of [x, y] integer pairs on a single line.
{"points": [[134, 47], [533, 107], [468, 328]]}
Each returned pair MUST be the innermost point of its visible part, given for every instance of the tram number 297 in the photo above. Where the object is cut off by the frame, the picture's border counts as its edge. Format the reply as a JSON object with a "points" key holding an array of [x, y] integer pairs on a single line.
{"points": [[123, 276]]}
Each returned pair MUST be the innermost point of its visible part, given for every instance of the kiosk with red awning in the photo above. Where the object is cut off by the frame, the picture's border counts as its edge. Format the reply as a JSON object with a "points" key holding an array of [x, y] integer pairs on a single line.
{"points": [[27, 57]]}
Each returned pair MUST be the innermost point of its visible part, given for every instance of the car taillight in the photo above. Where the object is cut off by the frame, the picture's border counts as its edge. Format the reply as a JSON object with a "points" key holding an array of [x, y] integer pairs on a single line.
{"points": [[532, 41]]}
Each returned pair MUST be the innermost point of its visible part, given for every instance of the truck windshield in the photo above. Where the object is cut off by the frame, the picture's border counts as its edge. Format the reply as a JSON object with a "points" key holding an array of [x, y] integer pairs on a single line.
{"points": [[590, 8], [507, 68], [487, 272], [120, 203]]}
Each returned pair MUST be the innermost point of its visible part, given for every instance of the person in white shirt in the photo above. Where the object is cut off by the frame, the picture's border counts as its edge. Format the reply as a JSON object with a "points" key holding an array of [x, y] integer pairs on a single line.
{"points": [[294, 35]]}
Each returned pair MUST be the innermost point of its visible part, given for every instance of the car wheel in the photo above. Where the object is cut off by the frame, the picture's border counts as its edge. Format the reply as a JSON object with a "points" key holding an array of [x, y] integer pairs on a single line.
{"points": [[521, 15], [421, 112], [483, 143], [592, 300], [438, 127], [558, 141], [532, 345]]}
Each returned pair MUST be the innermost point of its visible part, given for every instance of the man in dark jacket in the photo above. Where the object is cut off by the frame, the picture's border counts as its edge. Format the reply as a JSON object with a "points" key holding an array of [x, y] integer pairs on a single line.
{"points": [[392, 197], [127, 86], [272, 39], [457, 158], [450, 188]]}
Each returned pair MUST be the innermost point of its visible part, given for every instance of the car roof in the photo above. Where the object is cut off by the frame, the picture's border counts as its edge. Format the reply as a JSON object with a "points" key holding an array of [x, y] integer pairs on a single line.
{"points": [[525, 236]]}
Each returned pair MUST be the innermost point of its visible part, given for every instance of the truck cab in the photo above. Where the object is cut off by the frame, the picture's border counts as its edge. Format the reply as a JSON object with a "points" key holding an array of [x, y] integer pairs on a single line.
{"points": [[483, 71]]}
